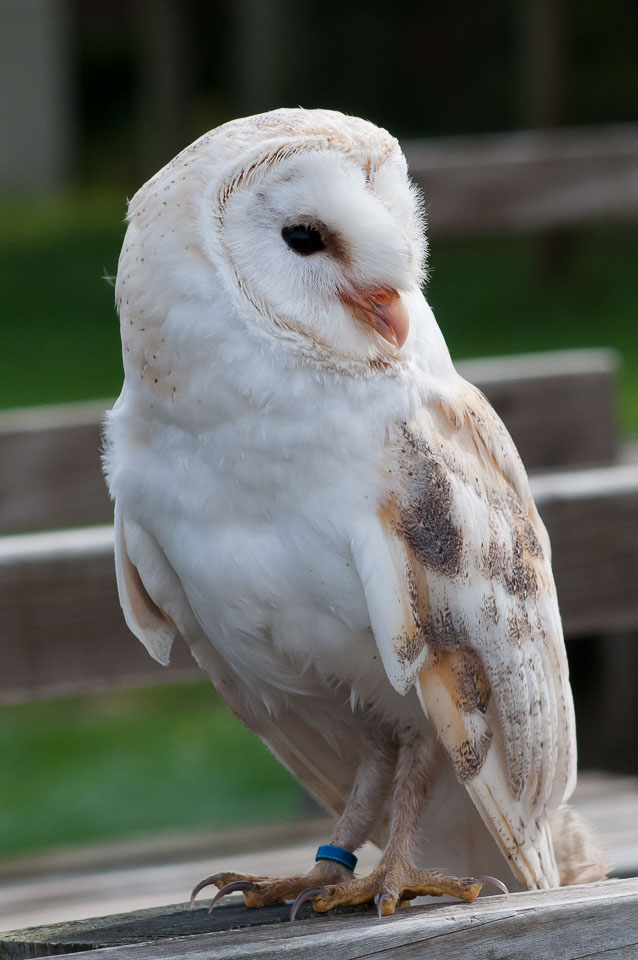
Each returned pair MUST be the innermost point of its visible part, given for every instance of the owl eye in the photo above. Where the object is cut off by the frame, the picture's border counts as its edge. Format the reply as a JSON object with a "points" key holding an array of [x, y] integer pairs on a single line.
{"points": [[303, 239]]}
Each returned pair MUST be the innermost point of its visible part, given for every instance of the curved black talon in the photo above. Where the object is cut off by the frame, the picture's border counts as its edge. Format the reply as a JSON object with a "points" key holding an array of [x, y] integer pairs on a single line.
{"points": [[306, 894]]}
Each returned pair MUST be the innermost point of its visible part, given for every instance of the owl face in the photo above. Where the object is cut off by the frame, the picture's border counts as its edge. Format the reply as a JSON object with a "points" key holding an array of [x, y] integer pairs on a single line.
{"points": [[319, 244], [297, 226]]}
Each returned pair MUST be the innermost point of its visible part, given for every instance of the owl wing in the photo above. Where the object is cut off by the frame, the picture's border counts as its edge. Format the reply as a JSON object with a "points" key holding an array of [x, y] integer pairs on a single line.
{"points": [[457, 576], [158, 613]]}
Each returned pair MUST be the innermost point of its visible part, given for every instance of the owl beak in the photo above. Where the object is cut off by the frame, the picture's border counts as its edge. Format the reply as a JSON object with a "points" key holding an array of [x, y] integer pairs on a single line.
{"points": [[382, 309]]}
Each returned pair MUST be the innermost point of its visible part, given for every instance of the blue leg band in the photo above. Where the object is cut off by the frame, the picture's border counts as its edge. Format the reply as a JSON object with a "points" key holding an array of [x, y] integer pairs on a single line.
{"points": [[329, 851]]}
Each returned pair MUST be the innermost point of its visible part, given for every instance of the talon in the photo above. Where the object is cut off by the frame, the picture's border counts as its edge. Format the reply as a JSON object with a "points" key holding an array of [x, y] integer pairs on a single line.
{"points": [[307, 894], [378, 900], [206, 882], [230, 888], [493, 881]]}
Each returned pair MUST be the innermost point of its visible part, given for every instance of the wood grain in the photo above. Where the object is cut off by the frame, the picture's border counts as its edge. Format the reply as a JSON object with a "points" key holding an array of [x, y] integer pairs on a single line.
{"points": [[114, 878], [571, 923]]}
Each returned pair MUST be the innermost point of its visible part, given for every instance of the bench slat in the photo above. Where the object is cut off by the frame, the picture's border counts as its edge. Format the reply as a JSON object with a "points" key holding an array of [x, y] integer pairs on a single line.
{"points": [[595, 920], [62, 626], [527, 180], [592, 518]]}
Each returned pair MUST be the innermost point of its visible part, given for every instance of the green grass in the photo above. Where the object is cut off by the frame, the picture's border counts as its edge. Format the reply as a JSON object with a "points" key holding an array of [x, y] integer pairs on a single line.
{"points": [[125, 764], [60, 330], [121, 765]]}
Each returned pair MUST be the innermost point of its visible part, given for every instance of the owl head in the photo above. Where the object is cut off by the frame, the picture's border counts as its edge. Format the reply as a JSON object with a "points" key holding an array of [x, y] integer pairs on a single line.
{"points": [[300, 227]]}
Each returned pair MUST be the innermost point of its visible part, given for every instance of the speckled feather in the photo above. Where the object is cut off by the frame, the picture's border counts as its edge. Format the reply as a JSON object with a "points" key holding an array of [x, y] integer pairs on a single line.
{"points": [[339, 527], [479, 631]]}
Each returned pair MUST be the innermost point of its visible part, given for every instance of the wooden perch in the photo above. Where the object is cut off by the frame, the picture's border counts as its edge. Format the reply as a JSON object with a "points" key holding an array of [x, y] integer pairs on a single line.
{"points": [[571, 923]]}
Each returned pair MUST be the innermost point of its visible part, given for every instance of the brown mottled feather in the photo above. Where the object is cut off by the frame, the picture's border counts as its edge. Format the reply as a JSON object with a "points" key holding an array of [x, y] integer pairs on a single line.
{"points": [[481, 638]]}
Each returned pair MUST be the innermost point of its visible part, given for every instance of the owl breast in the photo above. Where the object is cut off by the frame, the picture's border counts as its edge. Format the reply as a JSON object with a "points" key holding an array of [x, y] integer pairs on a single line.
{"points": [[236, 510]]}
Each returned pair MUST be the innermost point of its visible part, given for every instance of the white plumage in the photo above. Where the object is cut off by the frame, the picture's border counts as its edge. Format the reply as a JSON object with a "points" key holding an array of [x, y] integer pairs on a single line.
{"points": [[336, 523]]}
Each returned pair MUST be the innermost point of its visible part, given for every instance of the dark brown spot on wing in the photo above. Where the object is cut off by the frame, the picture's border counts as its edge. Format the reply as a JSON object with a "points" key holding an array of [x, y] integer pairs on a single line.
{"points": [[511, 564], [531, 541], [425, 519], [465, 678], [468, 758], [519, 629], [409, 646], [445, 631], [499, 478], [489, 609], [524, 525]]}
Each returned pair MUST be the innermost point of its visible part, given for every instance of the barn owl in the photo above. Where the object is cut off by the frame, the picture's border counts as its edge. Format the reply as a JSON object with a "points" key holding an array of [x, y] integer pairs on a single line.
{"points": [[334, 521]]}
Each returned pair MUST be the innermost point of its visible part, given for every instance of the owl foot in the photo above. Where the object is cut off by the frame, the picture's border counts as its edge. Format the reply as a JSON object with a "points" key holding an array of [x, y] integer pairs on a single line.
{"points": [[391, 885], [258, 891]]}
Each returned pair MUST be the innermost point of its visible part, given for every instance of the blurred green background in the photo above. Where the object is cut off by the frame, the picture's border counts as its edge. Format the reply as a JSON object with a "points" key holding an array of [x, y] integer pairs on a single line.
{"points": [[119, 88]]}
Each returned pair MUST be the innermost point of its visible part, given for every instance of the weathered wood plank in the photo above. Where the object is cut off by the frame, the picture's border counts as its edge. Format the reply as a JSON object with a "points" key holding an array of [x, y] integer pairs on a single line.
{"points": [[63, 630], [592, 519], [529, 180], [156, 924], [62, 627], [598, 920], [558, 406], [50, 471]]}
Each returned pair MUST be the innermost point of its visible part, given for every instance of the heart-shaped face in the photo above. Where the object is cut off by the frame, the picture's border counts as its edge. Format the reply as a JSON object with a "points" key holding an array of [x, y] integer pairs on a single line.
{"points": [[299, 226]]}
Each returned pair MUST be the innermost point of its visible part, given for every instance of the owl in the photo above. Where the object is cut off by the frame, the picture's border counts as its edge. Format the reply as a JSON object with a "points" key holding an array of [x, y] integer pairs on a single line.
{"points": [[337, 524]]}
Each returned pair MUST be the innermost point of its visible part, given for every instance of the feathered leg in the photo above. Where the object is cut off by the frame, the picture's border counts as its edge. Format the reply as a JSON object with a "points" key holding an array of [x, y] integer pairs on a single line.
{"points": [[368, 796], [395, 879]]}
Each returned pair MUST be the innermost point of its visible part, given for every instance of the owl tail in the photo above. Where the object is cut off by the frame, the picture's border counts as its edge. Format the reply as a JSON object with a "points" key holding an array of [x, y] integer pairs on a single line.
{"points": [[578, 855]]}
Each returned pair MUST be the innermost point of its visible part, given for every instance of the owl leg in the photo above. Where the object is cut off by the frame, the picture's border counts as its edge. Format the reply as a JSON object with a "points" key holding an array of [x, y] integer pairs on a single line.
{"points": [[371, 788], [395, 880]]}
